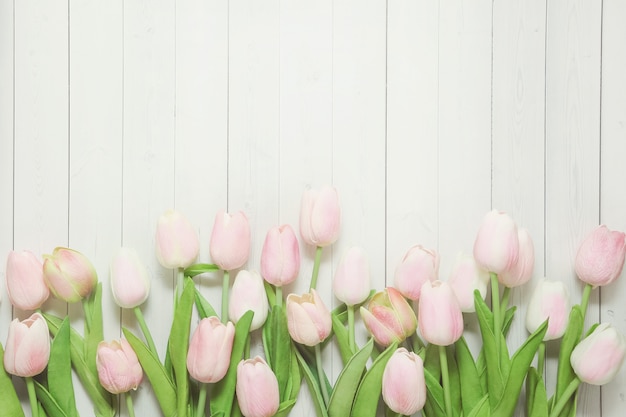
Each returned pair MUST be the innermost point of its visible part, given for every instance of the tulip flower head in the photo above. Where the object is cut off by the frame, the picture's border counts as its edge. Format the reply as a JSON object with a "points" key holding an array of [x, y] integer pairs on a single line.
{"points": [[280, 257], [25, 284], [118, 366], [389, 317], [320, 216], [599, 356], [248, 293], [352, 278], [69, 274], [466, 277], [230, 240], [496, 247], [308, 319], [257, 388], [550, 301], [600, 258], [130, 283], [28, 347], [439, 315], [522, 270], [209, 350], [404, 385], [417, 266], [177, 243]]}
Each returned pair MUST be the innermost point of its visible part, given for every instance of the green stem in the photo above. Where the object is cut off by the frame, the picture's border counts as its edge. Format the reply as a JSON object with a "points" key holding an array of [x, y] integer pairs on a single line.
{"points": [[279, 297], [129, 404], [201, 400], [225, 287], [541, 358], [351, 329], [32, 396], [445, 378], [180, 282], [504, 304], [316, 267], [585, 300], [495, 307], [569, 391], [320, 374], [146, 332]]}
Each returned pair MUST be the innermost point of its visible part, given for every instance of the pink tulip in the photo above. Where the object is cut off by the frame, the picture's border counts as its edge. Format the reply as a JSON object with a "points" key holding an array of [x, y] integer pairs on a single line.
{"points": [[248, 293], [466, 277], [550, 301], [69, 274], [177, 242], [600, 258], [389, 317], [521, 271], [118, 366], [352, 278], [209, 350], [598, 357], [28, 346], [439, 315], [230, 240], [25, 284], [130, 283], [497, 244], [308, 319], [257, 388], [404, 385], [417, 266], [320, 216], [280, 257]]}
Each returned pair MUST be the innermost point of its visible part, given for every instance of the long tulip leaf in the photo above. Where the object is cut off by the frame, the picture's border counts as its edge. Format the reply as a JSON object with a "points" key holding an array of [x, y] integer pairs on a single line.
{"points": [[343, 339], [205, 309], [471, 388], [296, 375], [369, 390], [197, 269], [60, 371], [284, 408], [455, 382], [481, 409], [10, 403], [565, 373], [96, 333], [281, 350], [538, 406], [49, 403], [314, 387], [434, 399]]}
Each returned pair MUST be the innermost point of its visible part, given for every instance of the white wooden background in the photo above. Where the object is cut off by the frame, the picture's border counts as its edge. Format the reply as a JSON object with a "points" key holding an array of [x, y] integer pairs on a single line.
{"points": [[423, 114]]}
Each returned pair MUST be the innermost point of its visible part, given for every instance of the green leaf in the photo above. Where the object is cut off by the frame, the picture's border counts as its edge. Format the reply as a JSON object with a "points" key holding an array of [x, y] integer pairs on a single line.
{"points": [[314, 387], [270, 291], [280, 350], [532, 379], [9, 402], [284, 408], [431, 361], [471, 389], [481, 409], [348, 381], [197, 269], [95, 335], [573, 332], [368, 393], [538, 405], [455, 382], [343, 339], [435, 399], [60, 371], [205, 309], [49, 403]]}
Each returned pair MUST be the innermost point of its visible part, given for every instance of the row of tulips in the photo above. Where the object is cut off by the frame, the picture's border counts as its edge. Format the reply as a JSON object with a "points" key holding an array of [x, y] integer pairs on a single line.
{"points": [[416, 359]]}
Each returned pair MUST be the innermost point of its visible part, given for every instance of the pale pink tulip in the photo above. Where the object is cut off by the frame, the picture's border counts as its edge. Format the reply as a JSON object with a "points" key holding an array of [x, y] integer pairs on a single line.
{"points": [[118, 366], [230, 240], [404, 385], [550, 300], [417, 266], [466, 277], [521, 271], [308, 319], [280, 257], [28, 346], [25, 284], [598, 357], [320, 216], [600, 258], [389, 317], [257, 388], [209, 350], [69, 274], [439, 315], [130, 282], [352, 278], [248, 293], [496, 246], [177, 243]]}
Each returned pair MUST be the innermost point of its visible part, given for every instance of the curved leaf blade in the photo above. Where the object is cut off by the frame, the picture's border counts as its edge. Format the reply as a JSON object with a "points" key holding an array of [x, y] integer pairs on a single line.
{"points": [[368, 394]]}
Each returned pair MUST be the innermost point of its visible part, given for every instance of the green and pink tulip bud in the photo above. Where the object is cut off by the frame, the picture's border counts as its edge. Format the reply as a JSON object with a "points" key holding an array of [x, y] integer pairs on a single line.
{"points": [[351, 284], [417, 266], [130, 282], [466, 277], [308, 318], [320, 216], [496, 247], [118, 367], [550, 301], [404, 385], [177, 243], [389, 317], [256, 388], [248, 293], [522, 271], [25, 283], [69, 274], [280, 257], [210, 349], [230, 240], [600, 258], [440, 317], [597, 358], [27, 350]]}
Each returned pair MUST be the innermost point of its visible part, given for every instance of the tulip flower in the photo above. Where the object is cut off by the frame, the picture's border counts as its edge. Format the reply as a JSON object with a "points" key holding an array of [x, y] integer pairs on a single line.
{"points": [[118, 367], [248, 293], [130, 283], [320, 216], [522, 270], [209, 350], [257, 388], [389, 317], [600, 258], [598, 357], [28, 347], [417, 266], [280, 257], [439, 315], [25, 284], [177, 243], [404, 386], [308, 319], [466, 277], [69, 274], [496, 246], [550, 301], [230, 240], [352, 278]]}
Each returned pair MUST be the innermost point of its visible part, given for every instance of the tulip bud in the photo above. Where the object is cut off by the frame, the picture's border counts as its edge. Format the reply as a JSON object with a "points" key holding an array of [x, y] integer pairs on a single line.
{"points": [[248, 293], [466, 277], [439, 315], [230, 240], [118, 366], [280, 257], [69, 274], [130, 283], [25, 284], [257, 388], [417, 266], [521, 271], [320, 216], [389, 317], [600, 258], [308, 319], [598, 357], [497, 243], [177, 242], [404, 385], [209, 350], [352, 279], [550, 301], [28, 346]]}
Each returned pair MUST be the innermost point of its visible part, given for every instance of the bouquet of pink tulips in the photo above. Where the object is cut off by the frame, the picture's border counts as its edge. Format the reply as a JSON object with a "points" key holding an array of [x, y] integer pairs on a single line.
{"points": [[416, 358]]}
